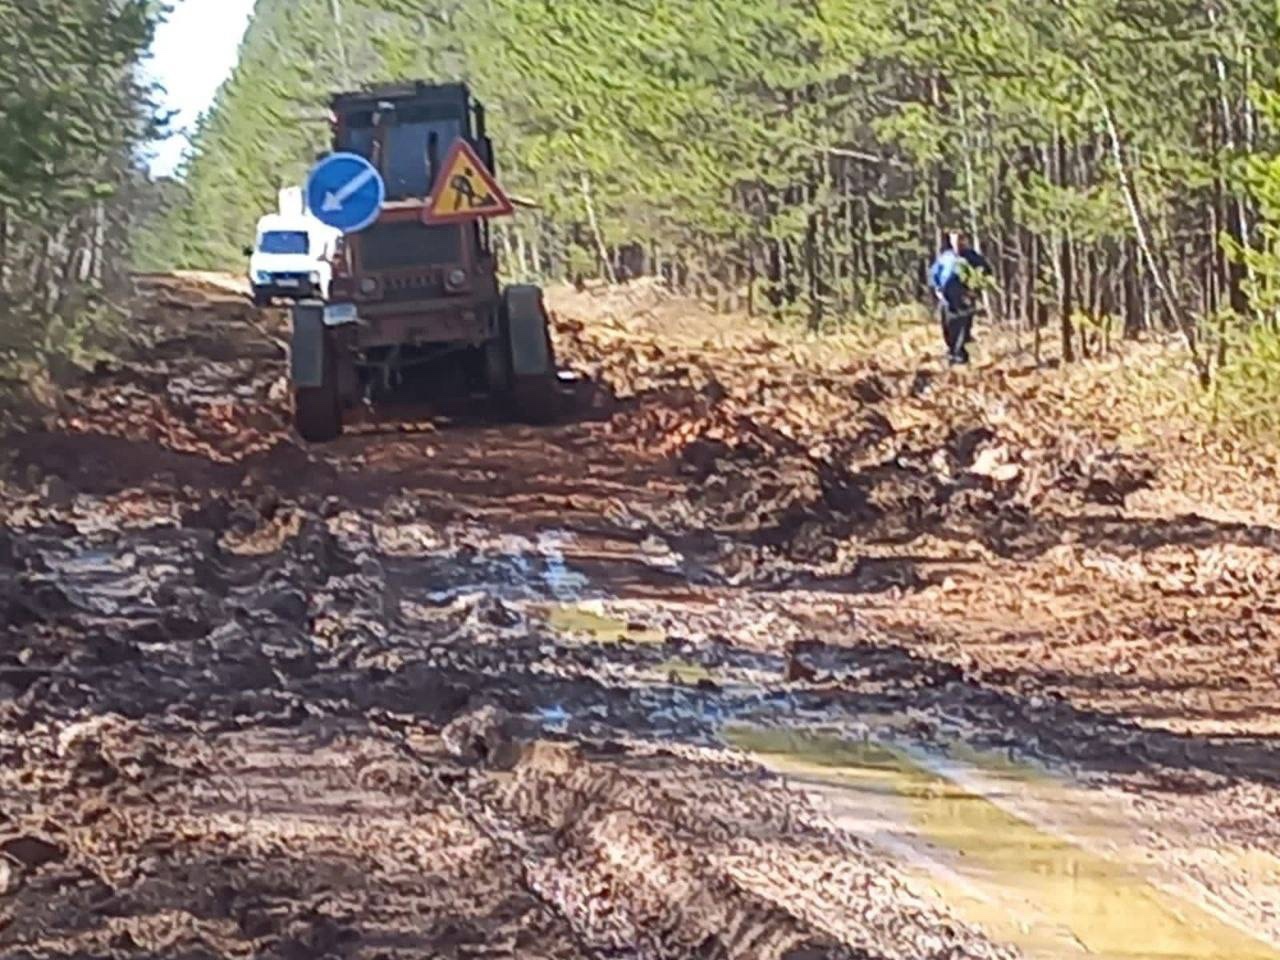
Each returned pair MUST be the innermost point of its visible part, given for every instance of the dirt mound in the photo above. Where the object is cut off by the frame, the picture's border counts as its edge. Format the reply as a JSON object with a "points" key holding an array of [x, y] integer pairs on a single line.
{"points": [[798, 450]]}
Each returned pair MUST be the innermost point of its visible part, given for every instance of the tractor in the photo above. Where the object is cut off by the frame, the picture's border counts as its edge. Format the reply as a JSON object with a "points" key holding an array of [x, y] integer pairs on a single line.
{"points": [[415, 306]]}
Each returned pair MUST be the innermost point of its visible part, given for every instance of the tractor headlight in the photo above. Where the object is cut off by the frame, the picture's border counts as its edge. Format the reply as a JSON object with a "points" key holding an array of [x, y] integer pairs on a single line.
{"points": [[457, 277]]}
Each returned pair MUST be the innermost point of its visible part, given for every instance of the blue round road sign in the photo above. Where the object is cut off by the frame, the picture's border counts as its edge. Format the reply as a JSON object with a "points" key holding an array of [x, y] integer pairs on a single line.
{"points": [[346, 192]]}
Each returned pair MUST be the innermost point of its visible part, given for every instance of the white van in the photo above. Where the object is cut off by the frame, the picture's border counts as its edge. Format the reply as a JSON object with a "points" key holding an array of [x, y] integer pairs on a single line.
{"points": [[291, 257]]}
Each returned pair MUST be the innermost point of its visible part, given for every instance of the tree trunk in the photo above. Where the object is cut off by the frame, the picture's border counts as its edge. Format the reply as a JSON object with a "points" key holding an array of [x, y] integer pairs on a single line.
{"points": [[1159, 275], [1066, 267], [1133, 318], [602, 251]]}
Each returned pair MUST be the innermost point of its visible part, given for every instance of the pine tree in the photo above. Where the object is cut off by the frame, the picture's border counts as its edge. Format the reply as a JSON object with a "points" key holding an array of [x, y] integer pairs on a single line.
{"points": [[72, 115]]}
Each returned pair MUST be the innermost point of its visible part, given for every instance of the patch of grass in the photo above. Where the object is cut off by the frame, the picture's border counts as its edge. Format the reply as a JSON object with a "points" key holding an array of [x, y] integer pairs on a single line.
{"points": [[1246, 392]]}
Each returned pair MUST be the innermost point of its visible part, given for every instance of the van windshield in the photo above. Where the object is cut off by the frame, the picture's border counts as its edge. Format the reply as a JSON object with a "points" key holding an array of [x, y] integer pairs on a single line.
{"points": [[284, 241]]}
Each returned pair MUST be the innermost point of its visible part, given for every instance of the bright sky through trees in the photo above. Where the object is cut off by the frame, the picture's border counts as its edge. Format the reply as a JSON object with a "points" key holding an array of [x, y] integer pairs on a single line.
{"points": [[194, 51]]}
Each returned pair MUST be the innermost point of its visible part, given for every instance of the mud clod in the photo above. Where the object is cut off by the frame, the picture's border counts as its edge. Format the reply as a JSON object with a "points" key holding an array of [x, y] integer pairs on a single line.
{"points": [[32, 852], [289, 604], [488, 736]]}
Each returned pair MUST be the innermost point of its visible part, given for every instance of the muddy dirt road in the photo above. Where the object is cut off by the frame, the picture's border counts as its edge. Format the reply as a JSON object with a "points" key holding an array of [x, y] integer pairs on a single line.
{"points": [[767, 650]]}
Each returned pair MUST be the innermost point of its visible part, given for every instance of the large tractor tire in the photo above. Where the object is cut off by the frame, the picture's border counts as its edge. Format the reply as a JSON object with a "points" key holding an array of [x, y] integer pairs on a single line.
{"points": [[317, 411], [533, 394], [317, 407], [497, 365]]}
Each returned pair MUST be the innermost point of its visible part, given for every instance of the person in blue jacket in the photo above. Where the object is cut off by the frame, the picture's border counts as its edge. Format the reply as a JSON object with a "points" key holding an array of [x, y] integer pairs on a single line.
{"points": [[950, 276]]}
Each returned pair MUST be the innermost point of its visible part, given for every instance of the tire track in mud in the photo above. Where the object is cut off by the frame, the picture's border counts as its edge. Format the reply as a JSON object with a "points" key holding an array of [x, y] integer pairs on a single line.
{"points": [[260, 656], [288, 626], [716, 868]]}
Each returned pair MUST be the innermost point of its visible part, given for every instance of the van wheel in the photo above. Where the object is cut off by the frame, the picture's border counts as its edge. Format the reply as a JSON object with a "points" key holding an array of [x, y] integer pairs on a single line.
{"points": [[261, 300], [317, 411]]}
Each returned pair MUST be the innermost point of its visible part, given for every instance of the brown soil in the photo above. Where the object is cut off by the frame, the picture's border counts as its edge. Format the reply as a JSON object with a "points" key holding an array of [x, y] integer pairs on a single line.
{"points": [[227, 659]]}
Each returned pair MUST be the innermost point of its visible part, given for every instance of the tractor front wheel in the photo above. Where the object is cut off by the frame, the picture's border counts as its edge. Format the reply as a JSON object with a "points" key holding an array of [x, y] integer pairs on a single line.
{"points": [[533, 395], [317, 411]]}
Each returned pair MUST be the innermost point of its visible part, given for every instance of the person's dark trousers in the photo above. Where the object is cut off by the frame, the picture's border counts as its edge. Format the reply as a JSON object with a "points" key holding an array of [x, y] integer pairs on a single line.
{"points": [[957, 330], [959, 334], [945, 321]]}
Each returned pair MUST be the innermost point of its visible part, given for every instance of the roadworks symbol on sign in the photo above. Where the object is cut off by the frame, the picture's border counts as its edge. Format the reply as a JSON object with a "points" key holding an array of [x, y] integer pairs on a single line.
{"points": [[465, 190]]}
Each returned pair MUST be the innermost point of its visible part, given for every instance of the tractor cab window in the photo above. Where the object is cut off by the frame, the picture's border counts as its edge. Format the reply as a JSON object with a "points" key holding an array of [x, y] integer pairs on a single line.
{"points": [[284, 241], [409, 151], [412, 136], [360, 140]]}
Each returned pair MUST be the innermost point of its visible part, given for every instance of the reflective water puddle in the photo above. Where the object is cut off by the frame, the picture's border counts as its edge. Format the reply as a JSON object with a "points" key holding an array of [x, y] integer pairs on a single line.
{"points": [[683, 671], [580, 620], [1021, 884]]}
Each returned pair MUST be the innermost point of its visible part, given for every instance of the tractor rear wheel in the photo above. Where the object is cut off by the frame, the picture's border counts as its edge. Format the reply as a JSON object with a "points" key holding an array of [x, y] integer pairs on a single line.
{"points": [[534, 394], [317, 411], [497, 365]]}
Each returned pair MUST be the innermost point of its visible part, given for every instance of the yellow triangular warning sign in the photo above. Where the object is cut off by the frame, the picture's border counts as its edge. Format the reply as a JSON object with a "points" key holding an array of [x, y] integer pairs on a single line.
{"points": [[465, 189]]}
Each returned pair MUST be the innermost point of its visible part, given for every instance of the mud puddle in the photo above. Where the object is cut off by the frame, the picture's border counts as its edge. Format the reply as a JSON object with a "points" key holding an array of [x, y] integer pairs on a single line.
{"points": [[679, 670], [1021, 882], [591, 621], [556, 569]]}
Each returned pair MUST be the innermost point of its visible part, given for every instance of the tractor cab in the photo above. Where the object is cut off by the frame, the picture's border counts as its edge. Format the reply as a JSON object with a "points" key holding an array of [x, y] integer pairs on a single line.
{"points": [[401, 262]]}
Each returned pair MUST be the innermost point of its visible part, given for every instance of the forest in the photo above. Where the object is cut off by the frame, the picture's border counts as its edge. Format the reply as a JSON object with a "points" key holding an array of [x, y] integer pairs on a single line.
{"points": [[73, 196], [1116, 159], [1113, 157]]}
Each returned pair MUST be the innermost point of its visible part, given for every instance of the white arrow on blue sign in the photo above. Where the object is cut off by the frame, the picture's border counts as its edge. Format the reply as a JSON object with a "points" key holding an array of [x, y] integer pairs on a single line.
{"points": [[346, 192]]}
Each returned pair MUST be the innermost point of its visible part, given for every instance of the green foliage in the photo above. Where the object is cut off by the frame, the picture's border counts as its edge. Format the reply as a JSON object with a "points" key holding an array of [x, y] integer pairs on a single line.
{"points": [[1247, 387], [1262, 174], [820, 144], [72, 114], [67, 103]]}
